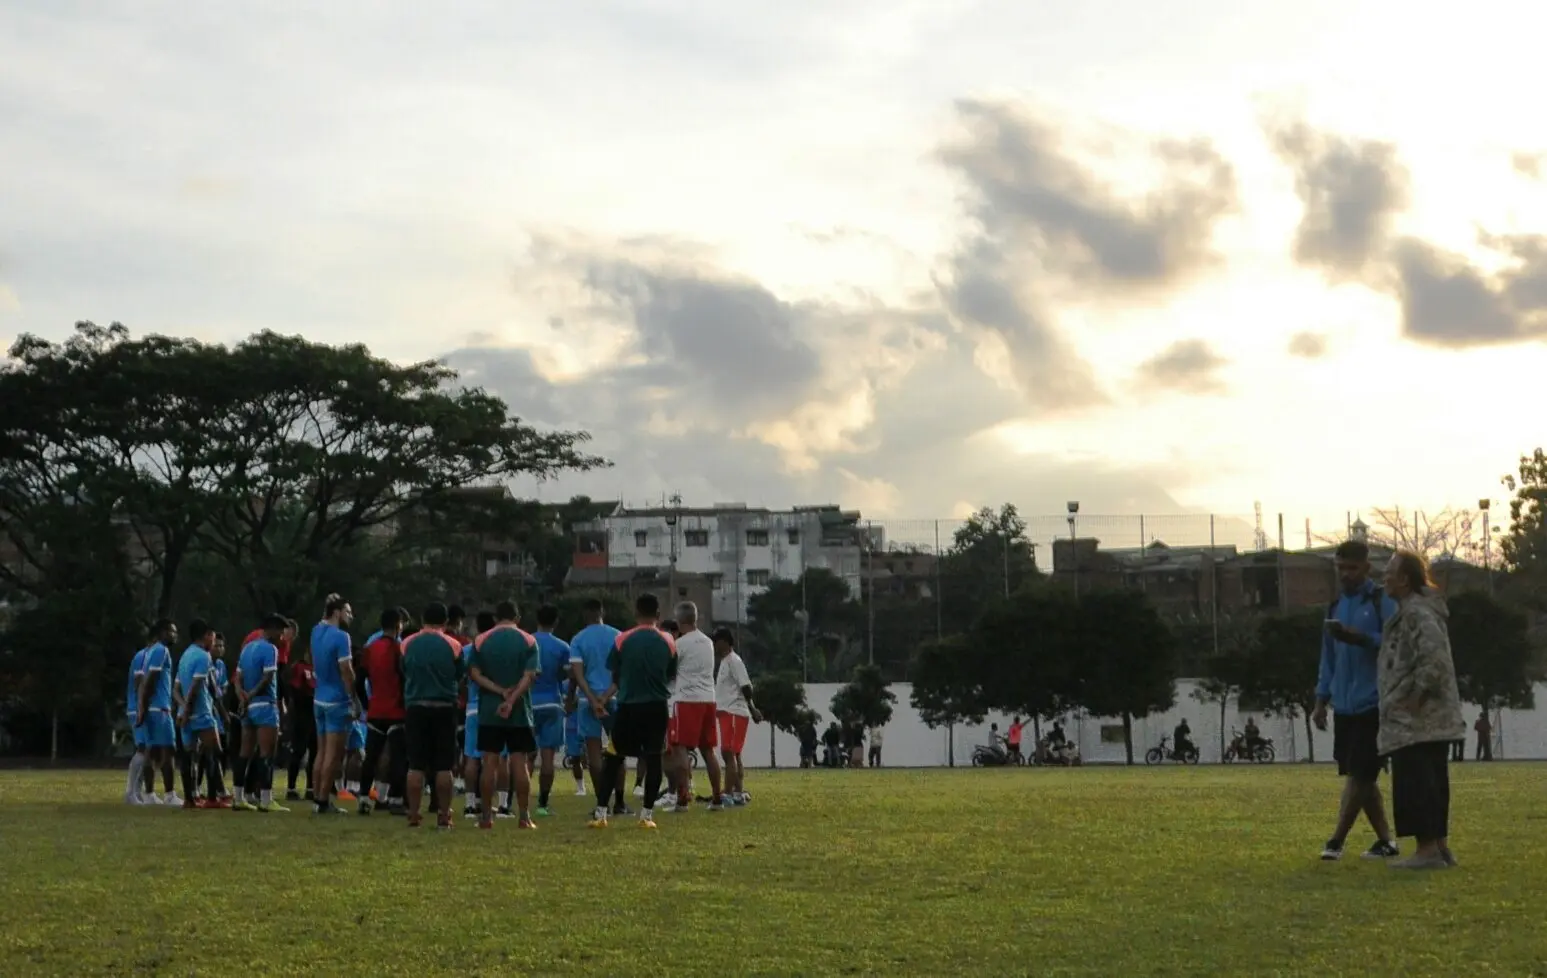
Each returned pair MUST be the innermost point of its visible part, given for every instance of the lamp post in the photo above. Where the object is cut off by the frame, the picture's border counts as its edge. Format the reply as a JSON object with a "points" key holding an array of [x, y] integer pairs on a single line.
{"points": [[1074, 512], [1483, 505], [672, 518]]}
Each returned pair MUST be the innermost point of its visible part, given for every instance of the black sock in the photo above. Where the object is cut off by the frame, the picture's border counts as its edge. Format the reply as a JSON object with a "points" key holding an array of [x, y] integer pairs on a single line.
{"points": [[542, 797], [239, 777], [609, 780], [217, 781], [190, 786], [652, 765]]}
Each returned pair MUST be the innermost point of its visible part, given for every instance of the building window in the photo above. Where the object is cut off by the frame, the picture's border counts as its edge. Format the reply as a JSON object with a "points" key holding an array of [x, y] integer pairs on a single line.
{"points": [[641, 538], [695, 538], [716, 581], [757, 538], [758, 578], [793, 536]]}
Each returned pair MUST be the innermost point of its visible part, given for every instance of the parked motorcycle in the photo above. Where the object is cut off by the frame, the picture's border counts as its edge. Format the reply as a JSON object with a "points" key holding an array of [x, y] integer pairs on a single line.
{"points": [[1261, 753], [1064, 755], [1156, 755], [993, 755]]}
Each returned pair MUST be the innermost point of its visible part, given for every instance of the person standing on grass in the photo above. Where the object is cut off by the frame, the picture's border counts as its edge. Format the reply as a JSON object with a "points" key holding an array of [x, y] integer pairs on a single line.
{"points": [[590, 650], [1484, 730], [1420, 711], [875, 747], [574, 746], [257, 691], [1012, 742], [196, 717], [643, 665], [432, 668], [694, 713], [735, 712], [553, 655], [334, 704], [385, 712], [300, 691], [155, 708], [1347, 681], [138, 789], [469, 767], [502, 668]]}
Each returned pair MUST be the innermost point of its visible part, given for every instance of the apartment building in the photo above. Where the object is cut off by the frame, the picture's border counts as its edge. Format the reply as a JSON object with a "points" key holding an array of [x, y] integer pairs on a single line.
{"points": [[737, 550]]}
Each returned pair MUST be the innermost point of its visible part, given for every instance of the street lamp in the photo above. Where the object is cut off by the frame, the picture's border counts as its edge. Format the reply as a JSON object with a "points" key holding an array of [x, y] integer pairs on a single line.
{"points": [[805, 630], [671, 529], [1074, 511], [1483, 504]]}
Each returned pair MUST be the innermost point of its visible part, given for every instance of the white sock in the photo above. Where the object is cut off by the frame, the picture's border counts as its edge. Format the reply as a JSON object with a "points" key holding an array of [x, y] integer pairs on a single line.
{"points": [[354, 787], [504, 799], [646, 814], [266, 797], [136, 768], [383, 789], [472, 801]]}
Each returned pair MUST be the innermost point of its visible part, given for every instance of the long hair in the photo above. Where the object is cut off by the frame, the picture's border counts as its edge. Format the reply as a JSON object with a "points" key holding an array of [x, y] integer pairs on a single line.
{"points": [[1414, 570]]}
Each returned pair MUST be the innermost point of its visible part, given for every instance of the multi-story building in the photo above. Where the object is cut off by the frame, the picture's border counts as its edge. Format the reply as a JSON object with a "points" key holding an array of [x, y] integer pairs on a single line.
{"points": [[737, 550]]}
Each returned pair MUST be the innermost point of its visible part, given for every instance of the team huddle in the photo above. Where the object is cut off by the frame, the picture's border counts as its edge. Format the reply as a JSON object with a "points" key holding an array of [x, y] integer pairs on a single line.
{"points": [[417, 713]]}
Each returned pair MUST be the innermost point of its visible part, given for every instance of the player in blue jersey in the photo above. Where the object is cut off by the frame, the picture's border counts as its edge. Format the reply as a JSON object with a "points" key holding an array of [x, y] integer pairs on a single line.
{"points": [[153, 713], [335, 705], [139, 789], [574, 746], [257, 692], [588, 652], [196, 716], [553, 655], [220, 685]]}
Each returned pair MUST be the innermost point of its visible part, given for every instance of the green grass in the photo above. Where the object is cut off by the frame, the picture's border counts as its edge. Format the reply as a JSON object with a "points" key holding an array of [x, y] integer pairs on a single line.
{"points": [[1116, 873]]}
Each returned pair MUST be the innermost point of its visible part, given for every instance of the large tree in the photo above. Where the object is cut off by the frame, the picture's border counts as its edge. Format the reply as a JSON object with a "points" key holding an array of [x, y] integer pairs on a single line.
{"points": [[781, 698], [1525, 546], [1127, 662], [1025, 650], [343, 444], [1222, 674], [1492, 653], [1281, 670], [989, 557], [867, 698]]}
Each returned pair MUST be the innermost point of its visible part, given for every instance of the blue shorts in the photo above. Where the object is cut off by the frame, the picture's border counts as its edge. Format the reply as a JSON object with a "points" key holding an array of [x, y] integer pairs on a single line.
{"points": [[261, 715], [331, 719], [470, 736], [200, 722], [548, 725], [356, 736], [159, 730], [220, 726], [574, 746], [592, 727], [138, 733]]}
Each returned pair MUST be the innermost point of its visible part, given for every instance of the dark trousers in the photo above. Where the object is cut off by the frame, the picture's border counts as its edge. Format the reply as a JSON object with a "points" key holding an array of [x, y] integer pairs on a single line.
{"points": [[391, 735], [303, 740], [1484, 747], [1458, 751], [1420, 791]]}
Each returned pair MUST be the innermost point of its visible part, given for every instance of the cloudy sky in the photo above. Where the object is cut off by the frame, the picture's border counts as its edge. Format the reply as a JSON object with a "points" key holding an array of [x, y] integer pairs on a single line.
{"points": [[911, 256]]}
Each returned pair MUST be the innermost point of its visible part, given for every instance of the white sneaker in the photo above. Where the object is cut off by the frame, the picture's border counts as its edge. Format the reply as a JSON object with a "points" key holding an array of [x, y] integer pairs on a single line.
{"points": [[639, 791], [130, 798], [580, 792], [172, 801]]}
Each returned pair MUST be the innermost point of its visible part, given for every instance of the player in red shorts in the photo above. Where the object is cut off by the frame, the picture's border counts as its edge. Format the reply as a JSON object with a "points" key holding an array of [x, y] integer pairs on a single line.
{"points": [[693, 709], [735, 713]]}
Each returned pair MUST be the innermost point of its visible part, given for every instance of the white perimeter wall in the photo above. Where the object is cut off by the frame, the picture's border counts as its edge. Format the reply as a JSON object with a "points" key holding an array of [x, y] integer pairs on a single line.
{"points": [[908, 743]]}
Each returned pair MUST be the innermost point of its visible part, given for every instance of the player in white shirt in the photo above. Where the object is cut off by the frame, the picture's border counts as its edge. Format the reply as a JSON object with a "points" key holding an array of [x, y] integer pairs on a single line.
{"points": [[693, 725], [735, 713]]}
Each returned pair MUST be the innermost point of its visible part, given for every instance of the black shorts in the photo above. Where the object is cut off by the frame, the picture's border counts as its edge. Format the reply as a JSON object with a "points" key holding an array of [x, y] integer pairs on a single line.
{"points": [[1354, 745], [640, 729], [498, 740], [432, 738]]}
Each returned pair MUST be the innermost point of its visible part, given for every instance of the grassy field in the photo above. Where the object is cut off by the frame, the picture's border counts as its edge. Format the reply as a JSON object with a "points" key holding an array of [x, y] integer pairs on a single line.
{"points": [[1002, 872]]}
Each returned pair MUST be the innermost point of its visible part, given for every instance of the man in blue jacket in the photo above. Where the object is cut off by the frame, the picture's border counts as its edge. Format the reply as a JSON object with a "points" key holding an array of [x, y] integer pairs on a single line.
{"points": [[1347, 682]]}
